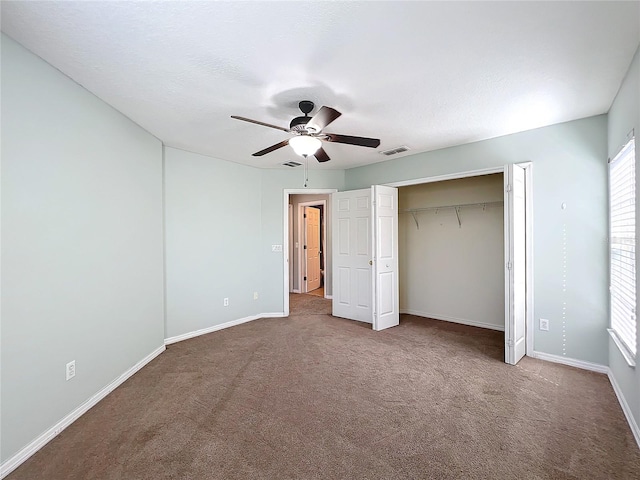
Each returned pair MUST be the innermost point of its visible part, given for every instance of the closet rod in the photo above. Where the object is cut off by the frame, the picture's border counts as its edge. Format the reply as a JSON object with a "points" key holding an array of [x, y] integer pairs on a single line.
{"points": [[457, 208]]}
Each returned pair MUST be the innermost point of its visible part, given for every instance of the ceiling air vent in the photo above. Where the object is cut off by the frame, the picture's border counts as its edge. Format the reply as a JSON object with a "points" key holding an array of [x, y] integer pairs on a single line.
{"points": [[291, 164], [396, 150]]}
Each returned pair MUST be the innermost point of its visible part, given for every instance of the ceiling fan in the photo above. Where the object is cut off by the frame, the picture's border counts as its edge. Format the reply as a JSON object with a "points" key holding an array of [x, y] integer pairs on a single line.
{"points": [[309, 135]]}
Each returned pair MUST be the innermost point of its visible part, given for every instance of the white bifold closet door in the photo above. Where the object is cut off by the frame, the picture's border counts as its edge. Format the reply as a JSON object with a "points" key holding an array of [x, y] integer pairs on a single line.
{"points": [[365, 256], [515, 264]]}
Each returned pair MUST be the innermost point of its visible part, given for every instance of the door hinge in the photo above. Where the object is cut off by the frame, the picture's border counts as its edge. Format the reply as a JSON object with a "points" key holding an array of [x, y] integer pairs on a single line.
{"points": [[304, 216], [305, 279], [305, 247], [508, 189], [509, 265], [511, 343]]}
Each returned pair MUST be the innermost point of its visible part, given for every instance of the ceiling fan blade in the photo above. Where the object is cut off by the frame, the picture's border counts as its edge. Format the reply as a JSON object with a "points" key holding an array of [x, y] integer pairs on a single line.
{"points": [[324, 117], [321, 155], [271, 148], [260, 123], [360, 141]]}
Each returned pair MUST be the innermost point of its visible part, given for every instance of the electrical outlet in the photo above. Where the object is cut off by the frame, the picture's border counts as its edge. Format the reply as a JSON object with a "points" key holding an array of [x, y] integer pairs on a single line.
{"points": [[544, 324], [71, 369], [226, 302], [255, 295]]}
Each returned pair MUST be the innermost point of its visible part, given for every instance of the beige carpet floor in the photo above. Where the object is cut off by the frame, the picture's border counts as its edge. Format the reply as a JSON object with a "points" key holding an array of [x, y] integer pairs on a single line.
{"points": [[316, 397]]}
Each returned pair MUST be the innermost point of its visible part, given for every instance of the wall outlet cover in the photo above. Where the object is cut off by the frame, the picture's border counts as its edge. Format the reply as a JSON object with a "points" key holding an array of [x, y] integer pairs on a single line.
{"points": [[544, 324], [71, 369]]}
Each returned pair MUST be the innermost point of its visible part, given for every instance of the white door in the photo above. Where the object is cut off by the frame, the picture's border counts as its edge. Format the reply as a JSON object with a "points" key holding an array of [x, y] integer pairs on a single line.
{"points": [[312, 247], [351, 244], [386, 312], [515, 262]]}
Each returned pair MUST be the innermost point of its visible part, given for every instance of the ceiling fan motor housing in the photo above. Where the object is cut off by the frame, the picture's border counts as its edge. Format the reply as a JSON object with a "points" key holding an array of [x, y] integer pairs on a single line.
{"points": [[298, 124]]}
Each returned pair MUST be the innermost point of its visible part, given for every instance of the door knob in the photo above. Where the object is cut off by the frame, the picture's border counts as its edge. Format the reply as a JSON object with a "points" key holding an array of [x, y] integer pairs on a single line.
{"points": [[370, 262]]}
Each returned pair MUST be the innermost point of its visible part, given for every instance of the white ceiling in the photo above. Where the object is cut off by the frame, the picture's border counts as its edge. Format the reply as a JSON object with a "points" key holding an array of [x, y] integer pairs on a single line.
{"points": [[423, 74]]}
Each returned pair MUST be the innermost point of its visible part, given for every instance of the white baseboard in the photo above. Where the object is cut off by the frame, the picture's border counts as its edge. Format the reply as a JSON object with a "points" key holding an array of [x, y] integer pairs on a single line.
{"points": [[272, 315], [296, 290], [214, 328], [19, 458], [471, 323], [221, 326], [329, 297], [572, 362], [625, 407]]}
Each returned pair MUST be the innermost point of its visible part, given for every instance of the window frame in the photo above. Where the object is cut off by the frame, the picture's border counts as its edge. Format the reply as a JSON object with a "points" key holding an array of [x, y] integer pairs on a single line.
{"points": [[626, 153]]}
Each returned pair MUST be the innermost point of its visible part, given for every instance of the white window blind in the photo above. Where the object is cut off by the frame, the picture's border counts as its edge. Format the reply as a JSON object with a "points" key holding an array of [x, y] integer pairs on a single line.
{"points": [[622, 212]]}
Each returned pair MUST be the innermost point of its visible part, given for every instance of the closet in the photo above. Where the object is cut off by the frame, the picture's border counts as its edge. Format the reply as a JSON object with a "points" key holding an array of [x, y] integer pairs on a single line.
{"points": [[451, 250]]}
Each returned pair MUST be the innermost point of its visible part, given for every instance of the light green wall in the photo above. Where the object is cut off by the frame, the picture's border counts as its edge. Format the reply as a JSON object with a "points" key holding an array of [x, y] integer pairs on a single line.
{"points": [[624, 116], [221, 220], [81, 246], [213, 239], [569, 166]]}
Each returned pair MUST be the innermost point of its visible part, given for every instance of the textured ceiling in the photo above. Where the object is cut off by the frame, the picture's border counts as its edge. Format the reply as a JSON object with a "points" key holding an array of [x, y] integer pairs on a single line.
{"points": [[423, 74]]}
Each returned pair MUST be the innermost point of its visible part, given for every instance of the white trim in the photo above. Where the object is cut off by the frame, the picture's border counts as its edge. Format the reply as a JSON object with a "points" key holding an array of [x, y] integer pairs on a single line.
{"points": [[572, 362], [19, 458], [222, 326], [285, 249], [448, 176], [164, 241], [296, 291], [625, 407], [213, 328], [528, 205], [624, 351], [290, 242], [328, 297], [273, 315], [446, 318]]}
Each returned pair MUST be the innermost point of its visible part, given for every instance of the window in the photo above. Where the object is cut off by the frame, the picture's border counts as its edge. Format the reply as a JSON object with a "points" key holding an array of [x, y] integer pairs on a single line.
{"points": [[622, 214]]}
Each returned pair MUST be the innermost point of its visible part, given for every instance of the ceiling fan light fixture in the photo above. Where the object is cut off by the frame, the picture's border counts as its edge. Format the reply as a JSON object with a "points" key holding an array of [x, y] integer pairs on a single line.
{"points": [[305, 145]]}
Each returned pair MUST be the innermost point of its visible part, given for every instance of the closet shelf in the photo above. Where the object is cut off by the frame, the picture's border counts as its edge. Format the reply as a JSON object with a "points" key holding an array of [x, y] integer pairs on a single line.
{"points": [[457, 208]]}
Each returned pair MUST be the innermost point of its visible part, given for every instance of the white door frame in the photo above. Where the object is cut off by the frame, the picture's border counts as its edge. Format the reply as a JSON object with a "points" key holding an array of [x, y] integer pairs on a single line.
{"points": [[285, 250], [301, 271], [290, 242], [528, 166]]}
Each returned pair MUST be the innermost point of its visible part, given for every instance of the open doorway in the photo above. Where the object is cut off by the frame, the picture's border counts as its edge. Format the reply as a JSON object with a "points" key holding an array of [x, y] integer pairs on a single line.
{"points": [[312, 262], [311, 245], [451, 250], [517, 250], [307, 270]]}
